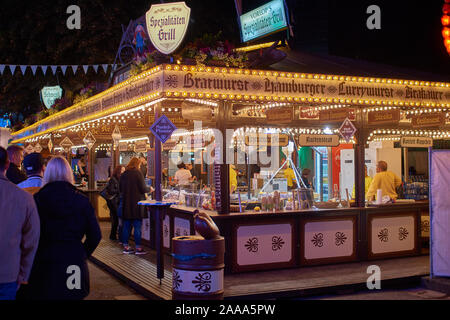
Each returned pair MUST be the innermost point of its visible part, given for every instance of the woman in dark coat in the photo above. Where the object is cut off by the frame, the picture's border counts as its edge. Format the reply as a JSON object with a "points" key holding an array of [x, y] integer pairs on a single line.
{"points": [[113, 194], [132, 190], [60, 270]]}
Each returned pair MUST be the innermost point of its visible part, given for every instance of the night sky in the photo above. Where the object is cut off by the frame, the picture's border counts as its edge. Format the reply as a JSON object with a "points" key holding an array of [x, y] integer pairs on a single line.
{"points": [[36, 33]]}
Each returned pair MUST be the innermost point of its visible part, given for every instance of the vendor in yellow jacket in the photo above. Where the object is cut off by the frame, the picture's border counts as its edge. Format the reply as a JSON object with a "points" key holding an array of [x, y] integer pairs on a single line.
{"points": [[290, 176], [367, 181], [385, 180], [233, 178]]}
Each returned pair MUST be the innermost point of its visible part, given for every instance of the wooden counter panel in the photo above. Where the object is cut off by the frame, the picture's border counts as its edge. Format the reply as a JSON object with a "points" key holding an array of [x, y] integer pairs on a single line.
{"points": [[392, 235], [327, 240]]}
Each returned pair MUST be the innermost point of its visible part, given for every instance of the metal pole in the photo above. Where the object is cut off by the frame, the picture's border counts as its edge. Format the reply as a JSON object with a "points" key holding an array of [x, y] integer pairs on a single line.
{"points": [[157, 209]]}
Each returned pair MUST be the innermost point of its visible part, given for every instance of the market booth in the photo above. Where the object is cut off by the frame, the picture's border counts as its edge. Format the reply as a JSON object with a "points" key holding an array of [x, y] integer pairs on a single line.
{"points": [[259, 131]]}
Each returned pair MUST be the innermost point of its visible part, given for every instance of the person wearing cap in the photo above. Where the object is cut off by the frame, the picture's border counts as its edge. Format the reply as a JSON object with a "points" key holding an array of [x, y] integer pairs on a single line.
{"points": [[34, 166]]}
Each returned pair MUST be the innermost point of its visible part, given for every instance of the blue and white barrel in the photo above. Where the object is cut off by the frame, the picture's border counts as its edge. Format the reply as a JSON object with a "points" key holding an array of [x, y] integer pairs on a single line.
{"points": [[197, 268]]}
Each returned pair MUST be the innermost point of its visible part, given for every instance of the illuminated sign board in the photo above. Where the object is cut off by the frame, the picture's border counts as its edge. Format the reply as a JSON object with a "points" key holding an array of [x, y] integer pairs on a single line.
{"points": [[50, 94], [324, 140], [167, 24], [264, 20], [416, 142]]}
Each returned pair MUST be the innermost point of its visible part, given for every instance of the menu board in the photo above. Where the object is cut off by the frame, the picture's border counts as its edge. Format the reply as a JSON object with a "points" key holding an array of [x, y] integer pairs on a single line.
{"points": [[384, 117], [428, 120], [279, 115]]}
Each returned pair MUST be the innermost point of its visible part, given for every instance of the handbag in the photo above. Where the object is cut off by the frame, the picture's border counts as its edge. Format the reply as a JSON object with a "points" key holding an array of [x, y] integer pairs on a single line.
{"points": [[105, 194]]}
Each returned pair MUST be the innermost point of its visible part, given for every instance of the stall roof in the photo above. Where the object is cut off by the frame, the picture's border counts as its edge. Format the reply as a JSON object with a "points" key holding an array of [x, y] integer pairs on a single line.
{"points": [[299, 61]]}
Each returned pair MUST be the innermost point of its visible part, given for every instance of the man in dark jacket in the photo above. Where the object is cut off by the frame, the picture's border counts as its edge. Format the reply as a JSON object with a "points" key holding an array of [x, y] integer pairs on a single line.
{"points": [[14, 173], [19, 231], [132, 189]]}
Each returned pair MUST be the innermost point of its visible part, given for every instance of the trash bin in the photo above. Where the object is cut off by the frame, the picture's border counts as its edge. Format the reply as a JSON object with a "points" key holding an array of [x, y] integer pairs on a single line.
{"points": [[197, 268]]}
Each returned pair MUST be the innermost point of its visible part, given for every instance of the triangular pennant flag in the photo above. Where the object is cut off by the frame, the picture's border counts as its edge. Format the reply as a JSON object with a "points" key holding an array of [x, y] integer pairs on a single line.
{"points": [[74, 69], [44, 69], [95, 68], [2, 68], [105, 67], [64, 68], [23, 69], [54, 69], [34, 68], [85, 68], [12, 68]]}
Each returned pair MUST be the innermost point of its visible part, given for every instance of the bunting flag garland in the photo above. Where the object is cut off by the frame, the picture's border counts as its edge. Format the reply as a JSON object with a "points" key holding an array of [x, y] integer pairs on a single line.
{"points": [[54, 68]]}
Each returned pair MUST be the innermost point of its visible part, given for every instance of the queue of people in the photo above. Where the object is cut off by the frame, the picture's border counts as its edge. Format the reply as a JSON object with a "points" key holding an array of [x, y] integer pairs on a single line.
{"points": [[45, 231]]}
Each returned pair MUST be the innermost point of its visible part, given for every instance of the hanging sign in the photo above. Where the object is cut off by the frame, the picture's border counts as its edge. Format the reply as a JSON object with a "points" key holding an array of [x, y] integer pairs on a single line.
{"points": [[66, 144], [384, 117], [140, 146], [416, 142], [264, 139], [163, 128], [309, 113], [37, 148], [50, 94], [428, 120], [318, 140], [279, 115], [347, 130], [89, 140], [334, 115], [264, 20], [167, 24]]}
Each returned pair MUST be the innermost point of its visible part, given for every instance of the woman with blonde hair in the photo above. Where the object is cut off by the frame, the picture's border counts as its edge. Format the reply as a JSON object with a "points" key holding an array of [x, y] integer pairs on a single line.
{"points": [[132, 190], [66, 217]]}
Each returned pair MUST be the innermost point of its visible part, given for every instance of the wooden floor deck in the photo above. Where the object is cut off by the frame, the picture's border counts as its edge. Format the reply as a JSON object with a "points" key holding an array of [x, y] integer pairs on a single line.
{"points": [[140, 273]]}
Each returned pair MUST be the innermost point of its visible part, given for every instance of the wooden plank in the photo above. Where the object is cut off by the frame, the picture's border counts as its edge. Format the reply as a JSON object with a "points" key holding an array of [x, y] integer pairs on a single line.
{"points": [[140, 273]]}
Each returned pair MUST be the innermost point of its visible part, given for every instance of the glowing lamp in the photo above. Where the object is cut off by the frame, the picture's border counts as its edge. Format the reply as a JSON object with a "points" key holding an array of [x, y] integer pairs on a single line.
{"points": [[445, 20], [446, 32]]}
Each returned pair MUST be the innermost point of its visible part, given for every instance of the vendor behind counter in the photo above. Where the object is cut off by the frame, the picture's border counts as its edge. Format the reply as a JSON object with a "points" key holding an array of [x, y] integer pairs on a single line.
{"points": [[385, 180]]}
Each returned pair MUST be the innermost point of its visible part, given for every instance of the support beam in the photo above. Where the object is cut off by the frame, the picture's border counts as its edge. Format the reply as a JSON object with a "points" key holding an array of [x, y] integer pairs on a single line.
{"points": [[359, 147]]}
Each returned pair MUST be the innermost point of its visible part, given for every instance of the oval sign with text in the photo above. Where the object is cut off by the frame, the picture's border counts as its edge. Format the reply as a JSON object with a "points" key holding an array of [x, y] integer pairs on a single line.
{"points": [[167, 24]]}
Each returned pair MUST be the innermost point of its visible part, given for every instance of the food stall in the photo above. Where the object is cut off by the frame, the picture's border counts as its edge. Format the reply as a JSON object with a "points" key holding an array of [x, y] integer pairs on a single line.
{"points": [[329, 124]]}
